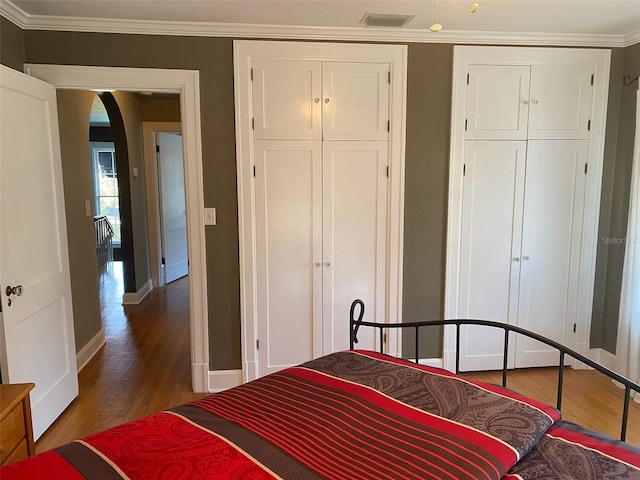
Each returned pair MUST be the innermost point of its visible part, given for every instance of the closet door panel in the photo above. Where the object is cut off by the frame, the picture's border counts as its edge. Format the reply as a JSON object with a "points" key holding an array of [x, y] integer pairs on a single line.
{"points": [[491, 225], [288, 242], [561, 97], [355, 240], [497, 102], [552, 235], [355, 101], [286, 99]]}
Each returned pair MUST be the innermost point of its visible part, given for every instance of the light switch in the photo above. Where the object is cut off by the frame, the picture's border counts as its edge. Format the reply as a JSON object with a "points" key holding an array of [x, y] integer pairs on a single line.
{"points": [[209, 216], [87, 208]]}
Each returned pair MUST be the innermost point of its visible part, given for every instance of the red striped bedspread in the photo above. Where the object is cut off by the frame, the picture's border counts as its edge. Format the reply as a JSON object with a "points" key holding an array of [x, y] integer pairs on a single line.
{"points": [[349, 415]]}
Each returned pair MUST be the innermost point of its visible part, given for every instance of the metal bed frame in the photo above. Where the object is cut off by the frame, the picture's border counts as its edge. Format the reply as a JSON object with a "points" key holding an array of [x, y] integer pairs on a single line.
{"points": [[356, 323]]}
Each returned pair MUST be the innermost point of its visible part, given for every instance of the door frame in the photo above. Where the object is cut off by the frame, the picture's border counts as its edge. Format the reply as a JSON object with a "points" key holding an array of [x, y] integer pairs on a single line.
{"points": [[470, 55], [186, 83], [243, 52], [149, 130]]}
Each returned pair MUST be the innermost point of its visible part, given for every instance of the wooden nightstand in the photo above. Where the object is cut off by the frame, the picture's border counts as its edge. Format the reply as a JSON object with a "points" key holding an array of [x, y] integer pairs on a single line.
{"points": [[16, 434]]}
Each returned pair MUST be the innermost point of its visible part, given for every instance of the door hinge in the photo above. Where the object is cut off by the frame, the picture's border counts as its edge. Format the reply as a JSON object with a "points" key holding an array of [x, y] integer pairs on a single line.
{"points": [[254, 170], [388, 125], [592, 76], [157, 148], [464, 170], [467, 79], [252, 74], [465, 124], [389, 77], [574, 328], [387, 170], [585, 168], [162, 260], [253, 123], [384, 338], [589, 125], [257, 344]]}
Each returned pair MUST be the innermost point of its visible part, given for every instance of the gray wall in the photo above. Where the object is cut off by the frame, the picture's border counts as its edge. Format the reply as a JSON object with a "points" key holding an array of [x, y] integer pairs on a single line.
{"points": [[73, 116], [615, 198], [11, 45], [131, 110], [428, 118]]}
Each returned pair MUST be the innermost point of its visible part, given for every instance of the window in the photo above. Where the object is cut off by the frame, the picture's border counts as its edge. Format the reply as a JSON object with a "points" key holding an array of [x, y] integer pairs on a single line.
{"points": [[107, 198]]}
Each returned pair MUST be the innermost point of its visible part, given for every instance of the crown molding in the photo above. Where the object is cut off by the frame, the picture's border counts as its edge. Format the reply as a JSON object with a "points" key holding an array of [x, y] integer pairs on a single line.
{"points": [[13, 13], [632, 38], [292, 32]]}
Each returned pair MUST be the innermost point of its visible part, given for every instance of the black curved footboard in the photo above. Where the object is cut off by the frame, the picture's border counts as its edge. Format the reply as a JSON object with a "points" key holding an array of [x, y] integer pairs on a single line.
{"points": [[356, 323]]}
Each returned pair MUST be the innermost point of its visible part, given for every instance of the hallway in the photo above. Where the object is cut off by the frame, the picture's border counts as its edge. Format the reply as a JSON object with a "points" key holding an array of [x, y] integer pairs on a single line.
{"points": [[144, 367]]}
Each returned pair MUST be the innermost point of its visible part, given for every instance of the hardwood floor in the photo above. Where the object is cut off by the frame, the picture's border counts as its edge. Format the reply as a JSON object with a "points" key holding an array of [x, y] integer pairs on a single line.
{"points": [[145, 366], [589, 398]]}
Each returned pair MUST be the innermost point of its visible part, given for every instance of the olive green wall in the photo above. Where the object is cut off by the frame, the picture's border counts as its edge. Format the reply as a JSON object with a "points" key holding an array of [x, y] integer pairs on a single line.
{"points": [[427, 147], [74, 108], [615, 198], [160, 109], [11, 45]]}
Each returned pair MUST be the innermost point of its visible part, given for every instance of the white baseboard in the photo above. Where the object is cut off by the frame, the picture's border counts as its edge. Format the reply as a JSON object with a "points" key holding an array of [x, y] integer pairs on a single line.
{"points": [[429, 362], [90, 350], [220, 380], [137, 297], [605, 358]]}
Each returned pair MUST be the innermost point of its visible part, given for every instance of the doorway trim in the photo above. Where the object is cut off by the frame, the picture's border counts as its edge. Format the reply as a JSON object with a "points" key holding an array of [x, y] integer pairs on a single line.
{"points": [[187, 84], [149, 130]]}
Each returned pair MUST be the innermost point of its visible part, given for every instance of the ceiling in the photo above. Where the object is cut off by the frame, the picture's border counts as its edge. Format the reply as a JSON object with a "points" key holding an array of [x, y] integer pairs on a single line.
{"points": [[586, 22]]}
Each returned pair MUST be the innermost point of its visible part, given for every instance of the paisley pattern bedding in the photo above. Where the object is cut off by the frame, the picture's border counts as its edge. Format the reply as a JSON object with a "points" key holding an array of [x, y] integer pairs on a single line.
{"points": [[349, 415]]}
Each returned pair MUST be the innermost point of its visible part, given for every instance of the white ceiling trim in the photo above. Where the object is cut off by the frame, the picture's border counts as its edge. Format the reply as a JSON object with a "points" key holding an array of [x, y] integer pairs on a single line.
{"points": [[393, 35], [632, 38]]}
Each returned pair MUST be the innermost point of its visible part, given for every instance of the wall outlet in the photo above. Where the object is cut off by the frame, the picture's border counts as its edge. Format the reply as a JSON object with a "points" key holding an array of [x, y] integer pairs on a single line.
{"points": [[209, 216]]}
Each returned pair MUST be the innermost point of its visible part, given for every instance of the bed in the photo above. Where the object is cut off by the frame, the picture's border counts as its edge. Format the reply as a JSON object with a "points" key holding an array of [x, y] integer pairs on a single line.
{"points": [[355, 414]]}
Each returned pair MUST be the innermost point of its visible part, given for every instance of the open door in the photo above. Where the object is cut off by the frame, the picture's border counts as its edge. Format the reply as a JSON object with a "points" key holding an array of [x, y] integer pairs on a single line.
{"points": [[173, 214], [37, 332]]}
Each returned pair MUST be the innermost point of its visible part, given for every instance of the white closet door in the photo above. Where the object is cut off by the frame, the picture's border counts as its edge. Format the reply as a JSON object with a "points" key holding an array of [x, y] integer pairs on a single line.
{"points": [[288, 242], [491, 226], [355, 101], [355, 241], [286, 99], [497, 102], [552, 235], [561, 97]]}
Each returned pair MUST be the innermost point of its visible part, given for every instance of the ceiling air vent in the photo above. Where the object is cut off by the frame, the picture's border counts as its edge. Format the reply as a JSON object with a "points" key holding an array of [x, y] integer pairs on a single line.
{"points": [[385, 20]]}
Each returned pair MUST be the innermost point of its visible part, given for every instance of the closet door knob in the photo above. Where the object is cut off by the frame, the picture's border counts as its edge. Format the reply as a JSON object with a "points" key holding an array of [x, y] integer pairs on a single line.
{"points": [[525, 102], [326, 100], [328, 264], [316, 100], [317, 264], [525, 258], [516, 259], [535, 102]]}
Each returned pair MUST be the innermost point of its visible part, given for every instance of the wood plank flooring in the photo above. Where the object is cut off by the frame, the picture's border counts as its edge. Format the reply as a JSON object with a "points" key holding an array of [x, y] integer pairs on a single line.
{"points": [[145, 366]]}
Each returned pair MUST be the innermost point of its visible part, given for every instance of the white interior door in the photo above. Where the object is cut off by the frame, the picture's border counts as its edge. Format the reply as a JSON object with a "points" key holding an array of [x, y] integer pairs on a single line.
{"points": [[173, 213], [288, 205], [37, 326], [551, 239], [354, 245], [497, 102], [491, 232], [355, 101]]}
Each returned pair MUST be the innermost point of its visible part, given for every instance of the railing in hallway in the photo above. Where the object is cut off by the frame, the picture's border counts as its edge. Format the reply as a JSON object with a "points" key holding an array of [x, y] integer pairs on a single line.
{"points": [[104, 239]]}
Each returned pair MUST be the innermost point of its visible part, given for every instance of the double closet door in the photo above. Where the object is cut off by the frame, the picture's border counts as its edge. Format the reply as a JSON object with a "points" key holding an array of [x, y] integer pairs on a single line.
{"points": [[321, 204], [525, 165]]}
